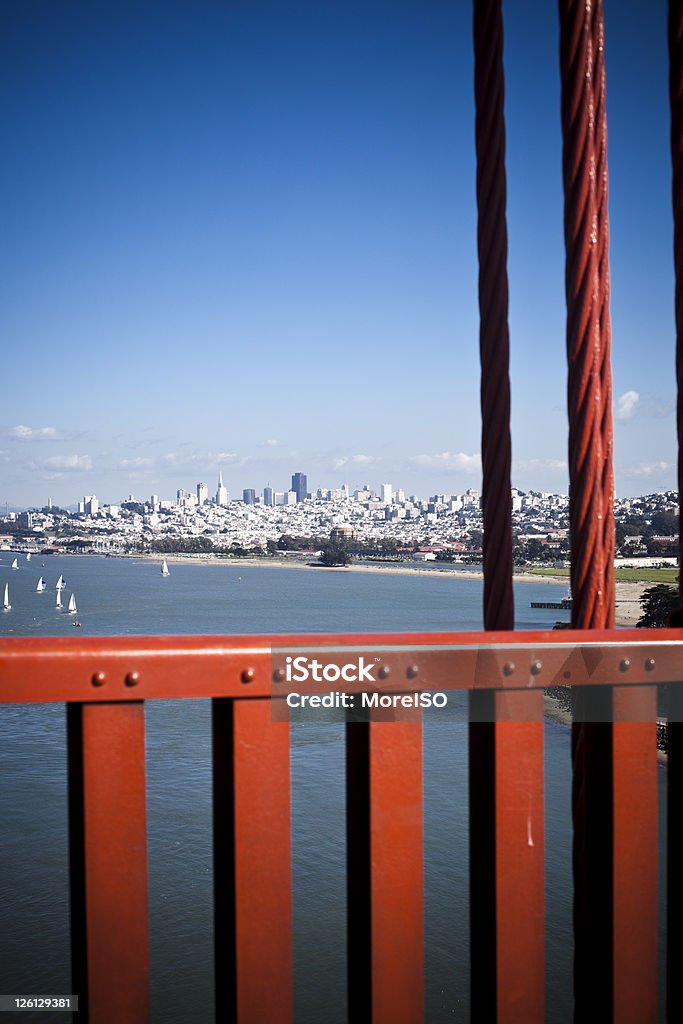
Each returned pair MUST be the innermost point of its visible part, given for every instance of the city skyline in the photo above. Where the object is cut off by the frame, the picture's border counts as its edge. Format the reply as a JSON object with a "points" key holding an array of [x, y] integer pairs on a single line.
{"points": [[210, 265]]}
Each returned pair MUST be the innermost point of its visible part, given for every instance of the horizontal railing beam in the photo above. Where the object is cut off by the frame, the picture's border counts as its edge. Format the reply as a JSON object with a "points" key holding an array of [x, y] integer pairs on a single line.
{"points": [[113, 669]]}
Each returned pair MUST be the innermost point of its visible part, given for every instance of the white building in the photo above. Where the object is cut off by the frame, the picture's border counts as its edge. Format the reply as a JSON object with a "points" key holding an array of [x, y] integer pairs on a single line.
{"points": [[222, 496], [387, 494], [202, 493]]}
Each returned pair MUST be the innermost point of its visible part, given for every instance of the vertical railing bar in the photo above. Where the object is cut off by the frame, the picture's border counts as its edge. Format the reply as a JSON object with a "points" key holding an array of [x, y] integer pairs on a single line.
{"points": [[108, 861], [76, 816], [384, 871], [358, 888], [225, 966]]}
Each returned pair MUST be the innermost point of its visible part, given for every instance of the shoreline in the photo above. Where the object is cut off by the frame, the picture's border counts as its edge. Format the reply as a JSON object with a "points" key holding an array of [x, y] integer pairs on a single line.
{"points": [[628, 593]]}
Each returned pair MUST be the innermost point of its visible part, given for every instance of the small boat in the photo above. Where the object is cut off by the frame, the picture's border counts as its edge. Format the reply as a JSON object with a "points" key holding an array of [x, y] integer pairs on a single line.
{"points": [[28, 556], [72, 605], [60, 583], [5, 601], [41, 585], [165, 569], [15, 564], [42, 565], [58, 602], [76, 624]]}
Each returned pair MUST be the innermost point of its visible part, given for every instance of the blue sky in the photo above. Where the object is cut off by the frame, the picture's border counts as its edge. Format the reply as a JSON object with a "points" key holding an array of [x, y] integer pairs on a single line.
{"points": [[242, 236]]}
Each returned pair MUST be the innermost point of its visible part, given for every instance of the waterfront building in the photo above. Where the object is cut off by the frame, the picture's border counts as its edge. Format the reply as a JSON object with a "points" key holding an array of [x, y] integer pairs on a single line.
{"points": [[300, 486]]}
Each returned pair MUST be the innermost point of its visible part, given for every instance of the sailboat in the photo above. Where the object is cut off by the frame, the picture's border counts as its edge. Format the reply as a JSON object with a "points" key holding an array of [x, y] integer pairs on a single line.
{"points": [[60, 583], [164, 569], [41, 585], [28, 556], [14, 565], [5, 601], [72, 605], [58, 603]]}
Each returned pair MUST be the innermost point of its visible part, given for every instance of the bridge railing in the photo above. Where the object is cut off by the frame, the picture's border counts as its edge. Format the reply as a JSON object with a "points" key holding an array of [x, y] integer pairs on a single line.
{"points": [[105, 682]]}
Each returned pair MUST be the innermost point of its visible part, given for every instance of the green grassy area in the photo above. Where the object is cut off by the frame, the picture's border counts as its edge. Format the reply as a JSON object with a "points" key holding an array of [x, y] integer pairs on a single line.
{"points": [[644, 575]]}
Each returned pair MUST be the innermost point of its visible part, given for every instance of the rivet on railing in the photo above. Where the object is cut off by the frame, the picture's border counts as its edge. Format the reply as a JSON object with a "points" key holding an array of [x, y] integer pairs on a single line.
{"points": [[624, 665], [99, 678], [247, 675], [412, 671], [384, 672], [132, 678], [649, 664], [535, 668], [508, 668], [279, 675]]}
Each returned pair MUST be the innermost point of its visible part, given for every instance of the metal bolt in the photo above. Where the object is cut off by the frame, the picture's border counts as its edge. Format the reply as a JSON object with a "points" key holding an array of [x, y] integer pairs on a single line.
{"points": [[384, 672], [132, 679], [535, 667], [99, 679], [278, 675], [624, 665], [649, 664], [508, 668], [247, 675], [412, 671]]}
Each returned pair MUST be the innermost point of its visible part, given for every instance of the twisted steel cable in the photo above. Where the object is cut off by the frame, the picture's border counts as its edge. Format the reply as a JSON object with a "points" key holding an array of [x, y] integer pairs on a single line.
{"points": [[584, 392], [675, 32], [604, 320], [494, 339], [584, 165]]}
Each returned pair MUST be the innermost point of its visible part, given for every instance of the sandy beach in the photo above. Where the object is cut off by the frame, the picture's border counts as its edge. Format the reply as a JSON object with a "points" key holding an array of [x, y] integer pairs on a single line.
{"points": [[628, 609]]}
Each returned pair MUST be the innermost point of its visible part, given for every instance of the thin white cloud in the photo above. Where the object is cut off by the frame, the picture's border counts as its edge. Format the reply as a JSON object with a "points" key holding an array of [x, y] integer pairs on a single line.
{"points": [[24, 433], [138, 463], [627, 404], [452, 461], [356, 460], [272, 442], [646, 469], [59, 463], [191, 459], [530, 465]]}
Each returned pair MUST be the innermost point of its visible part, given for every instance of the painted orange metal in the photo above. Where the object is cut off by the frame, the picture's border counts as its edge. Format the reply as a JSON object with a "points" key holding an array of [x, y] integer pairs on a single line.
{"points": [[634, 756], [109, 862], [263, 880], [520, 919], [396, 871], [55, 669]]}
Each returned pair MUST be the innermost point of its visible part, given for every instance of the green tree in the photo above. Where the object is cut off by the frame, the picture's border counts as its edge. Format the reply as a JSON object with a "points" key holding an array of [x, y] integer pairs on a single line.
{"points": [[335, 556], [657, 603]]}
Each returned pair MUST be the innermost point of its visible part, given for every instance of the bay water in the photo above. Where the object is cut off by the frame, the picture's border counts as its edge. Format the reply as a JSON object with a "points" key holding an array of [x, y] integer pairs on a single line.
{"points": [[130, 597]]}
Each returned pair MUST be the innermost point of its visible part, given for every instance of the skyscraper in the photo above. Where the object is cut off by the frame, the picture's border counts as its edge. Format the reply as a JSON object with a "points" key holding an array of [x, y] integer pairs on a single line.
{"points": [[387, 494], [300, 486], [249, 496], [202, 493], [268, 495], [222, 492]]}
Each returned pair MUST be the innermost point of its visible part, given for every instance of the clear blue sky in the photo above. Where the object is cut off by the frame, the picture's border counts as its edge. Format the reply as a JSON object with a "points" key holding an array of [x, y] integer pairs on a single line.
{"points": [[241, 235]]}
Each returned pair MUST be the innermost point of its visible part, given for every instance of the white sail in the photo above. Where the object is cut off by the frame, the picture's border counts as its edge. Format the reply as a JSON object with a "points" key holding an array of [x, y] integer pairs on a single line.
{"points": [[41, 585], [72, 604], [5, 601], [60, 583], [58, 603], [164, 569], [14, 565], [28, 556]]}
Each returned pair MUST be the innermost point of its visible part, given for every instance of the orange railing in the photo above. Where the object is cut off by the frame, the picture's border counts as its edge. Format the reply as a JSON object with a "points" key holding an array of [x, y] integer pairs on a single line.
{"points": [[105, 683]]}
